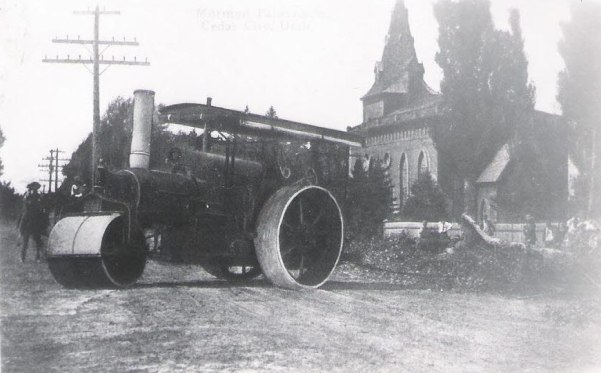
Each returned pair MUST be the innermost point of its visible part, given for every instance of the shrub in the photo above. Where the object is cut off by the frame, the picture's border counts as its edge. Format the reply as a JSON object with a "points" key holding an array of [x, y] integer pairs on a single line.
{"points": [[427, 201], [368, 203]]}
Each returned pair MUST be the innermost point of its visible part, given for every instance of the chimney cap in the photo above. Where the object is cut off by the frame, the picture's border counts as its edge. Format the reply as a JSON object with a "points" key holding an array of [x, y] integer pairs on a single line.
{"points": [[146, 91]]}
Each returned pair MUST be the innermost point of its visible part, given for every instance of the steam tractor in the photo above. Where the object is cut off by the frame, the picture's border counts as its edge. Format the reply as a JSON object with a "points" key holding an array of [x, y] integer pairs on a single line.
{"points": [[254, 195]]}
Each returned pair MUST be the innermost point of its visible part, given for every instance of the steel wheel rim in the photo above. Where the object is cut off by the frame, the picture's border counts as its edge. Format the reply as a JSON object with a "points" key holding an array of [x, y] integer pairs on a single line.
{"points": [[313, 260]]}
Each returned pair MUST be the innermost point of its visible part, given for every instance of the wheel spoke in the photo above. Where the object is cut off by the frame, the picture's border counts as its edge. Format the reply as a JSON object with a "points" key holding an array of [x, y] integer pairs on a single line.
{"points": [[301, 265], [318, 217], [288, 250], [300, 208]]}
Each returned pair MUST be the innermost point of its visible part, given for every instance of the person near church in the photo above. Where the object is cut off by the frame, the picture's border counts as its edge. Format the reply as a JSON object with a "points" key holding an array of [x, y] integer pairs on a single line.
{"points": [[488, 226], [549, 236], [443, 229]]}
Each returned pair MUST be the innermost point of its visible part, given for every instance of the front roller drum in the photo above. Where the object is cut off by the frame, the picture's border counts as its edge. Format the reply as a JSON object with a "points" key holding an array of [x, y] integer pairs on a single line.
{"points": [[93, 252], [299, 237]]}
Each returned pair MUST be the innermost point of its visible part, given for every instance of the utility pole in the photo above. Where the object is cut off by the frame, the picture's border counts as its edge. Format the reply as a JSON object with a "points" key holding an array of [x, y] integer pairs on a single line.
{"points": [[96, 60], [57, 166], [49, 167], [52, 168]]}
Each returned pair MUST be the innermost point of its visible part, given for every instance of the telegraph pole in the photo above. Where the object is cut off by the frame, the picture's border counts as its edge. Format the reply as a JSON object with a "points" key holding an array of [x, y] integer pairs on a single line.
{"points": [[52, 167], [57, 166], [96, 60]]}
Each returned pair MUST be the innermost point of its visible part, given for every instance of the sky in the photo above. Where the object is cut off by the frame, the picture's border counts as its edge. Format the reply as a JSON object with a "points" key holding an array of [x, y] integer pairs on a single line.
{"points": [[312, 60]]}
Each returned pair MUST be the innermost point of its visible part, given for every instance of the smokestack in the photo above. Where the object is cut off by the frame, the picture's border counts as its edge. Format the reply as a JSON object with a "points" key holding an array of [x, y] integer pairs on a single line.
{"points": [[139, 156]]}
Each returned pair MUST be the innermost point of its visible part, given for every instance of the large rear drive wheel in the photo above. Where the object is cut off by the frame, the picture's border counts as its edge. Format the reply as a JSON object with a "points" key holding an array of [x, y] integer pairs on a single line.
{"points": [[299, 237]]}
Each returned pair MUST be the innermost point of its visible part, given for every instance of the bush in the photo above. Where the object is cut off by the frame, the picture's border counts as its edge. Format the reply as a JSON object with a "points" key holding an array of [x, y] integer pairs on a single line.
{"points": [[427, 201], [368, 203], [10, 202]]}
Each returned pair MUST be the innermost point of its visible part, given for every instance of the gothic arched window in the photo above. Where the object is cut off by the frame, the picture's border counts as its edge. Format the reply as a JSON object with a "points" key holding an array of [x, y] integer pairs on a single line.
{"points": [[404, 179], [423, 164]]}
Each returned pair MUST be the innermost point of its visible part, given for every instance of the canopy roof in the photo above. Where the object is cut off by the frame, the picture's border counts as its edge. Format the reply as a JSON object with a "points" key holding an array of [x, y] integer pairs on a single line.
{"points": [[239, 122]]}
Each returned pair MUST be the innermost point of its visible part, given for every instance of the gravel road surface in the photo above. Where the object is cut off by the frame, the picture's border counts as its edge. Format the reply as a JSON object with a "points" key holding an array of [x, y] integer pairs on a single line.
{"points": [[178, 318]]}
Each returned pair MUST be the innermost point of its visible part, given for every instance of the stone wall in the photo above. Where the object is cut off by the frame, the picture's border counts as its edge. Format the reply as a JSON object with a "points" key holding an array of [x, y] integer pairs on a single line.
{"points": [[505, 232]]}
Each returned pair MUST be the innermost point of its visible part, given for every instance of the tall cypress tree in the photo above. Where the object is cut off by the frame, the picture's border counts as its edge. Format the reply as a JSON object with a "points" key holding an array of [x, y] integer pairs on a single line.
{"points": [[485, 87], [580, 96]]}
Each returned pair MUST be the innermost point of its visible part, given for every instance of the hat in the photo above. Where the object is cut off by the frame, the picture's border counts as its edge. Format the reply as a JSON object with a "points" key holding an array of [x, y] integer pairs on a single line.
{"points": [[35, 186]]}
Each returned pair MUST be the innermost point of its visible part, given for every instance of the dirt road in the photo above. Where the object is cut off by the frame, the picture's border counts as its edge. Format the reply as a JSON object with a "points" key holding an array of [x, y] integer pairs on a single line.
{"points": [[180, 319]]}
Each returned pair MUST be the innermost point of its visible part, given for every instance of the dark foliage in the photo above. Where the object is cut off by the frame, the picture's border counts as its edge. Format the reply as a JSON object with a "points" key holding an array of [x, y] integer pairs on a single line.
{"points": [[485, 86], [427, 201], [10, 201], [271, 113], [79, 165], [368, 201], [579, 93], [114, 141]]}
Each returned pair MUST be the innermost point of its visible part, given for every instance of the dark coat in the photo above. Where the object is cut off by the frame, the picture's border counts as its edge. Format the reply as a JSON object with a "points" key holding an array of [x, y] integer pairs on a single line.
{"points": [[33, 218]]}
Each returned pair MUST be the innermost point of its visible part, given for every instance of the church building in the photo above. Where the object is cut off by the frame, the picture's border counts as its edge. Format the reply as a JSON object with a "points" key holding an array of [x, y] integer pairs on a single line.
{"points": [[400, 111]]}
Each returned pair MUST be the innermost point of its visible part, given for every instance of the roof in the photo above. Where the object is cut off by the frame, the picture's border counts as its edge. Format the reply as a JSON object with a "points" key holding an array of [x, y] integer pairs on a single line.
{"points": [[492, 173], [239, 122]]}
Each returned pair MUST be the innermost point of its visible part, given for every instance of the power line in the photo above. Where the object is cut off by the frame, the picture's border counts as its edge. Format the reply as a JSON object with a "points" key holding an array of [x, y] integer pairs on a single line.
{"points": [[52, 167], [96, 60]]}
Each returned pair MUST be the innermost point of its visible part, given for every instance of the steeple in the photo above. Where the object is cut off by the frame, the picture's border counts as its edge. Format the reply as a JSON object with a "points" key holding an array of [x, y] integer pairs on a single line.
{"points": [[398, 51], [398, 76], [399, 23]]}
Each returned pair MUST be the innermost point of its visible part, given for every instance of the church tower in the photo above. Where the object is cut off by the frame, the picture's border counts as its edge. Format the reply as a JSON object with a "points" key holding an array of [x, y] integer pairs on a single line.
{"points": [[398, 76]]}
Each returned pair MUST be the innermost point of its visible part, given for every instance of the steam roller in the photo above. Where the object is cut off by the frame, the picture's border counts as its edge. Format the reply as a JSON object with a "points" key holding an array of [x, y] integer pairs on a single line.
{"points": [[255, 196]]}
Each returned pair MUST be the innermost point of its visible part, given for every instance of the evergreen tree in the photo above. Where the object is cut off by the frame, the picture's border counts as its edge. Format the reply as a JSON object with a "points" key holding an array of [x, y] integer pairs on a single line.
{"points": [[271, 113], [114, 140], [79, 164], [369, 201], [114, 137], [485, 86], [427, 201], [580, 94]]}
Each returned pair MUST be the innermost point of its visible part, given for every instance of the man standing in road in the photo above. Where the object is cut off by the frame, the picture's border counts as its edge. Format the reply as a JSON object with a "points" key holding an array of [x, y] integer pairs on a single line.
{"points": [[32, 221]]}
